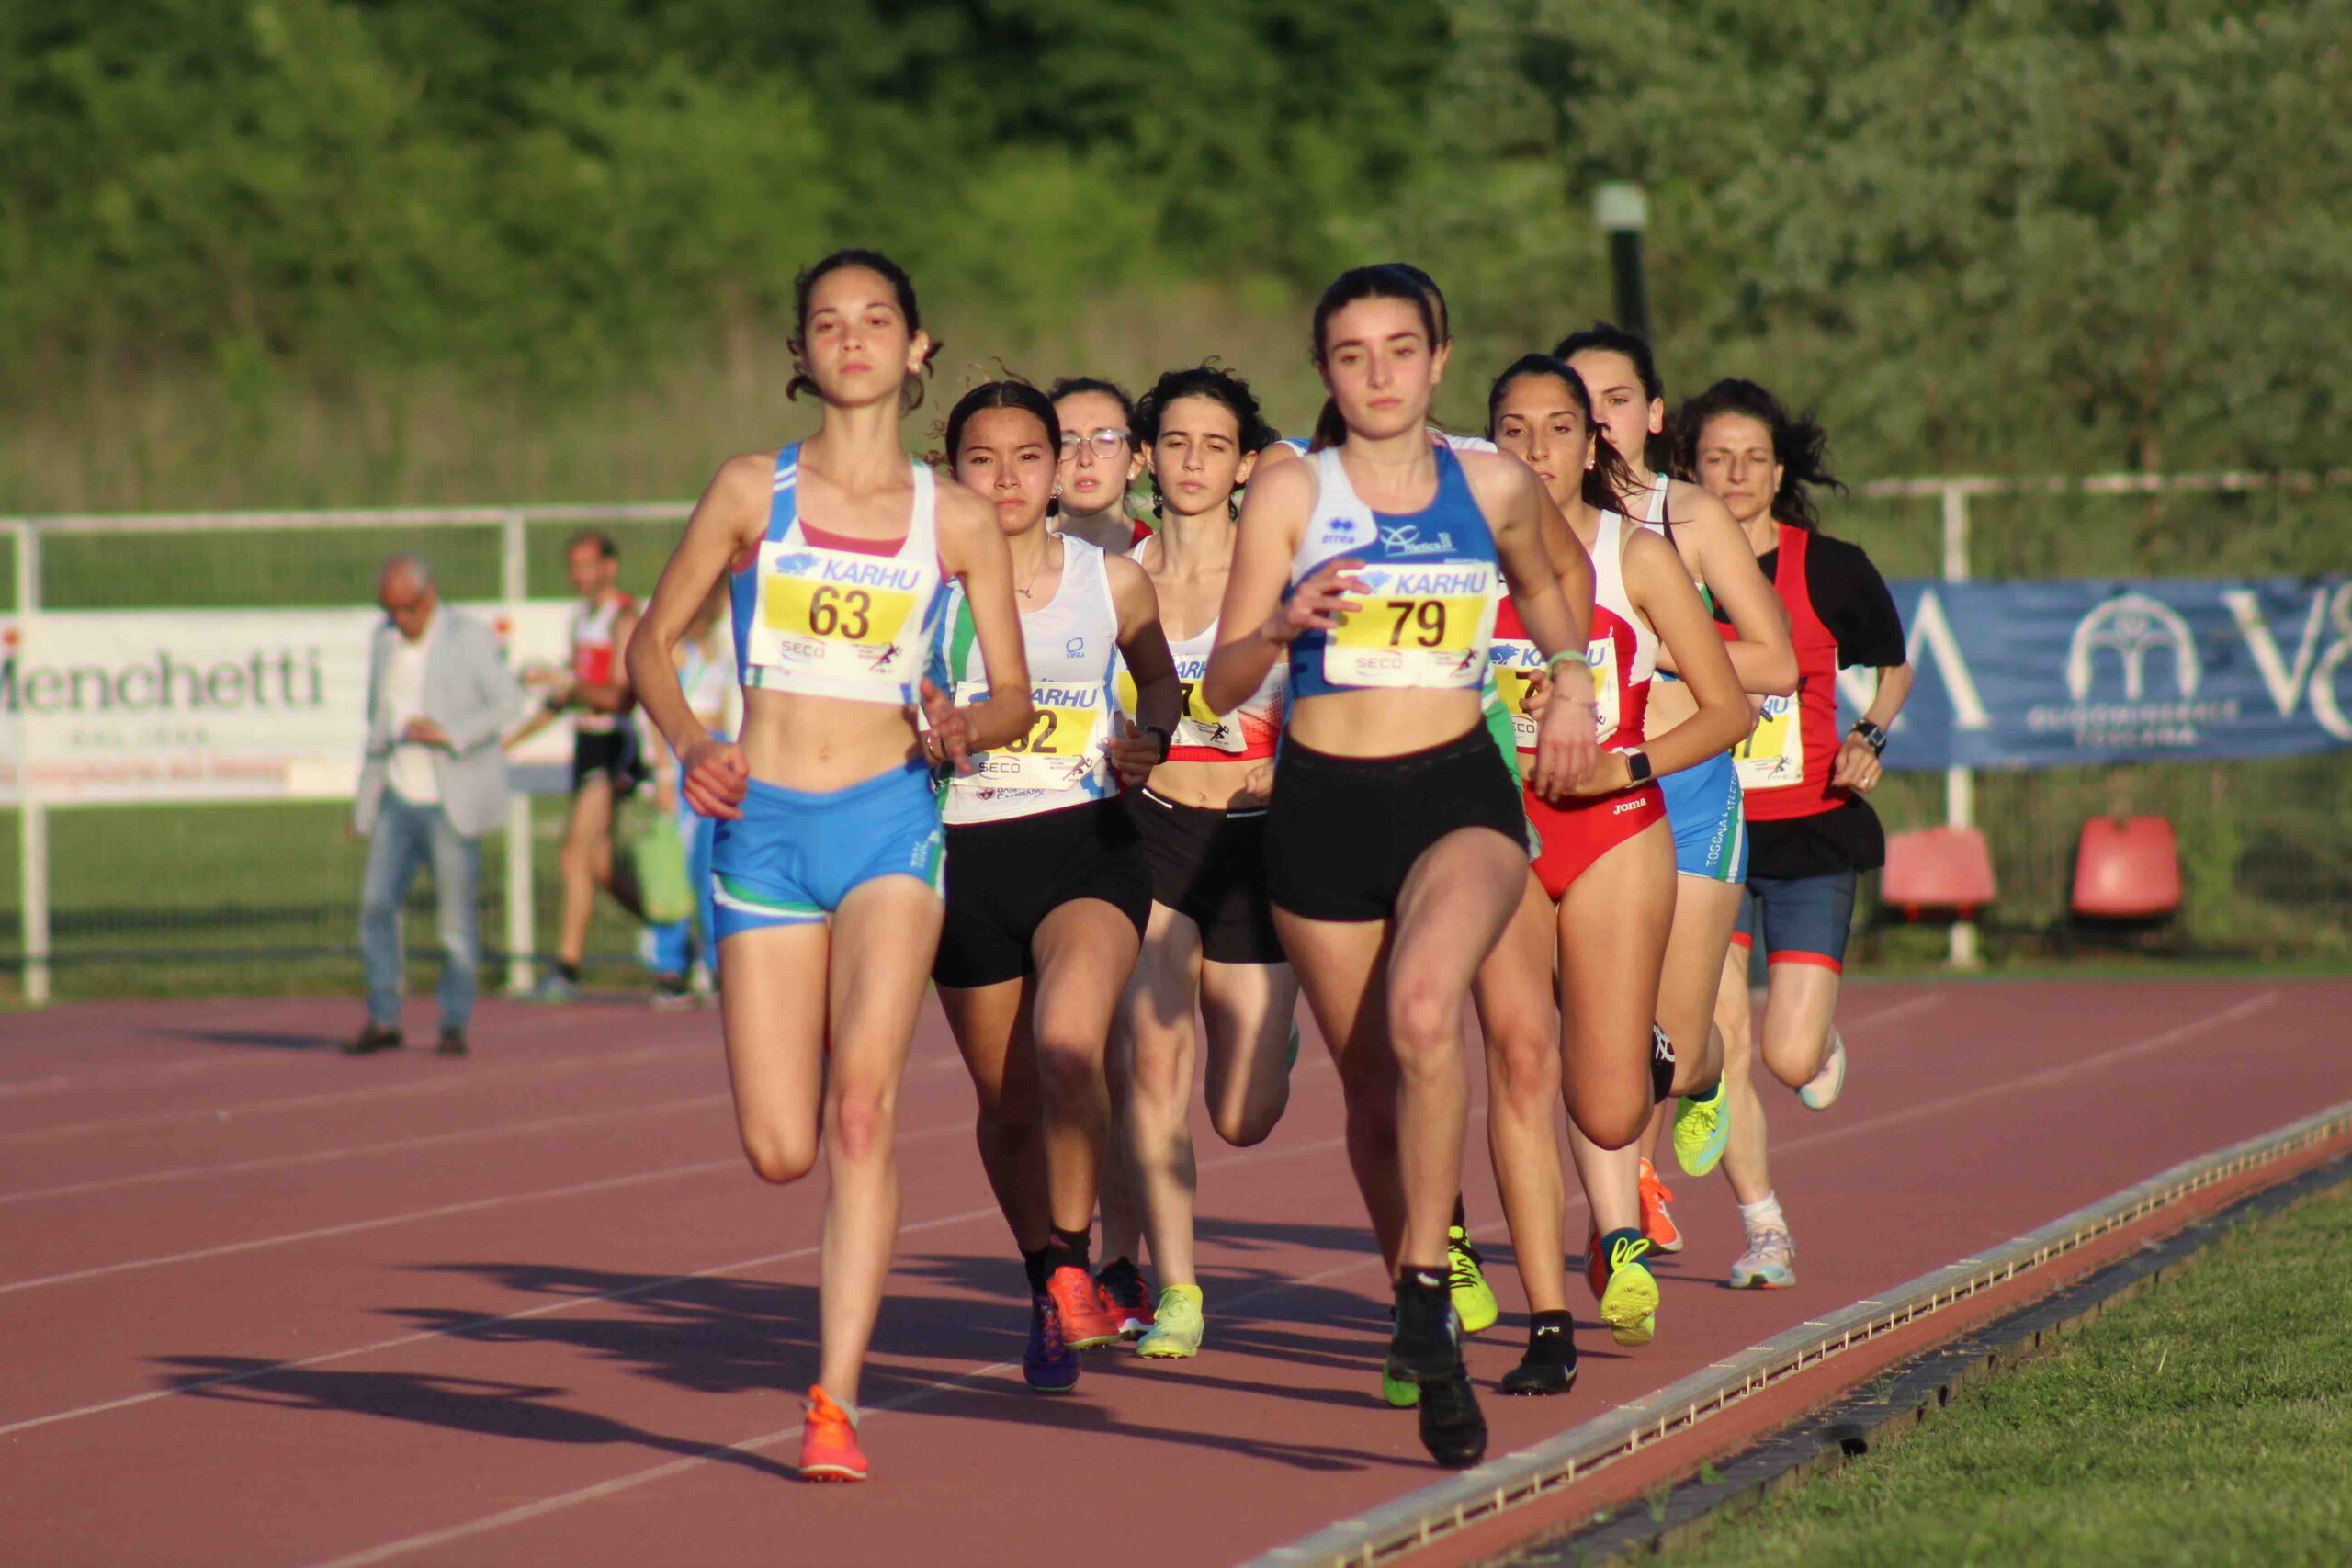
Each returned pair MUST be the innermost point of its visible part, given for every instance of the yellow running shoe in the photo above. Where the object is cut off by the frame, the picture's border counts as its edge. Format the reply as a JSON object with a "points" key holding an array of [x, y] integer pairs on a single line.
{"points": [[1629, 1304], [1474, 1301], [1703, 1129], [1176, 1326]]}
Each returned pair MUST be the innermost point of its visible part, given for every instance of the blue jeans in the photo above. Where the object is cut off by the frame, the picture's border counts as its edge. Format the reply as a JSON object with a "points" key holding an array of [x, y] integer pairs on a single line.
{"points": [[406, 836], [673, 951]]}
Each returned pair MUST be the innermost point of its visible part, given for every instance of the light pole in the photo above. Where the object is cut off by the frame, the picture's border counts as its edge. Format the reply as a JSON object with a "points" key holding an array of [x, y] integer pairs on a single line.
{"points": [[1623, 211]]}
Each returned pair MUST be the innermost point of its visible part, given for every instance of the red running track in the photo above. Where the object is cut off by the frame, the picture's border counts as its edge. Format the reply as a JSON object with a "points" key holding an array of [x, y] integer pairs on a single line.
{"points": [[264, 1305]]}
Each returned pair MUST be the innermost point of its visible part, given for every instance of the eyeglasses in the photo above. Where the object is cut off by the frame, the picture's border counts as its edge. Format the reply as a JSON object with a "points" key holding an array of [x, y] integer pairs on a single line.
{"points": [[1107, 442]]}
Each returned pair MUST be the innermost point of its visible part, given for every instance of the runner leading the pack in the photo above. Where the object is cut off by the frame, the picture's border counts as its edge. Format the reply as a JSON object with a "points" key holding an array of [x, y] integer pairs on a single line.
{"points": [[1811, 830], [1473, 1299], [1047, 888], [1702, 803], [1601, 891], [836, 551], [1396, 841], [1211, 946]]}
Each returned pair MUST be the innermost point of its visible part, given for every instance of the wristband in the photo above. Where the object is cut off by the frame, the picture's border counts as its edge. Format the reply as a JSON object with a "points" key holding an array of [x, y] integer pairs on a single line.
{"points": [[1166, 741], [1552, 665]]}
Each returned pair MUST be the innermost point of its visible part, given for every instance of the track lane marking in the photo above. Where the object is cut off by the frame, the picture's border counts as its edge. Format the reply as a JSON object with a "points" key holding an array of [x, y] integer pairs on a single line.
{"points": [[358, 1151], [524, 1512]]}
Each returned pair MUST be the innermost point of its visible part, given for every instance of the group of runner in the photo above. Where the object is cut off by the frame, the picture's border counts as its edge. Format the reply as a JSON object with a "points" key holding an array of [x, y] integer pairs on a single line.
{"points": [[1395, 720]]}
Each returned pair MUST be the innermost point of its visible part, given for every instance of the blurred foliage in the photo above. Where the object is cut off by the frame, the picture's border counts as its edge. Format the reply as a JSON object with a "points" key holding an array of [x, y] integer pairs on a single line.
{"points": [[302, 251]]}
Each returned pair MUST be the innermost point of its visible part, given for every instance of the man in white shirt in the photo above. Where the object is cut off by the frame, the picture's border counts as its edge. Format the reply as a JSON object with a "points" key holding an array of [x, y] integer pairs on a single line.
{"points": [[433, 782]]}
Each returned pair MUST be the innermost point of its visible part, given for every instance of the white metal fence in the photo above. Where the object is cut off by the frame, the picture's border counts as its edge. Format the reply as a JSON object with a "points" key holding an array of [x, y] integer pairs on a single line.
{"points": [[512, 524]]}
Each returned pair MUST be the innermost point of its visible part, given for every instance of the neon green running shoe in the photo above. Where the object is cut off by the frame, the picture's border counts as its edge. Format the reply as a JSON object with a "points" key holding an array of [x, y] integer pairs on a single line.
{"points": [[1176, 1326], [1474, 1301], [1629, 1303], [1703, 1129], [1398, 1394]]}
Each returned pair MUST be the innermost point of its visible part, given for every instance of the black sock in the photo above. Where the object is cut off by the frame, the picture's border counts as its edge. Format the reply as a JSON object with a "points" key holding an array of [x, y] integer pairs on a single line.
{"points": [[569, 971], [1661, 1065], [1034, 1265], [1706, 1090], [1550, 1336], [1066, 1250], [1461, 1218]]}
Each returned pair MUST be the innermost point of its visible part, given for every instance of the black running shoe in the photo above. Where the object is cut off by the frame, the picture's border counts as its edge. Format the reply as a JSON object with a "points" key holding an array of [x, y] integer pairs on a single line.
{"points": [[1451, 1429], [1427, 1344], [1549, 1366]]}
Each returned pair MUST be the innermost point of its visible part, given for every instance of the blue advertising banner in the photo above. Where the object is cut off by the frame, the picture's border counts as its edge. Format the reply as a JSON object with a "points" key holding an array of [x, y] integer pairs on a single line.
{"points": [[2053, 673]]}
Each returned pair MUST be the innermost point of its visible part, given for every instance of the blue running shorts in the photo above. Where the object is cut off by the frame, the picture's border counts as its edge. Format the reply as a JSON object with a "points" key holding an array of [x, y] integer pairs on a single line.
{"points": [[792, 857], [1710, 830]]}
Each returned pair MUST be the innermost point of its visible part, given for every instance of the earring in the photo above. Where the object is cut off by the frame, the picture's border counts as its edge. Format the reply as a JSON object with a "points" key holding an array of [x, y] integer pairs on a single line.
{"points": [[1159, 507], [1233, 509]]}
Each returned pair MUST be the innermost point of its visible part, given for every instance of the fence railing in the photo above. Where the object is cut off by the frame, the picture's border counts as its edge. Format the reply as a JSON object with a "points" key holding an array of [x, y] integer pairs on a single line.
{"points": [[512, 524]]}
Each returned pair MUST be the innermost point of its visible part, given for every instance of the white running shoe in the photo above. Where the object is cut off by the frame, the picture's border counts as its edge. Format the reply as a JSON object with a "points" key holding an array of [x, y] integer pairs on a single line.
{"points": [[1821, 1091], [1769, 1264]]}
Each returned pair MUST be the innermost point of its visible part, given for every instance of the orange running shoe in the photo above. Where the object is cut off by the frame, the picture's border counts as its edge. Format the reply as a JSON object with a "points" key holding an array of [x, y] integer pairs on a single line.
{"points": [[829, 1450], [1658, 1225], [1087, 1320]]}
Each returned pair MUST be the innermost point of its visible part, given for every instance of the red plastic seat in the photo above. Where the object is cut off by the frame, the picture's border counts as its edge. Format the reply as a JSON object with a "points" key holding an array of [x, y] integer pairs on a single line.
{"points": [[2127, 868], [1949, 870]]}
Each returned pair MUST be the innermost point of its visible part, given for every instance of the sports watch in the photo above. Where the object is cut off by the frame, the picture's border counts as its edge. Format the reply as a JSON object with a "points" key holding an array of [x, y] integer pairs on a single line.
{"points": [[1873, 734], [1637, 767], [1166, 741]]}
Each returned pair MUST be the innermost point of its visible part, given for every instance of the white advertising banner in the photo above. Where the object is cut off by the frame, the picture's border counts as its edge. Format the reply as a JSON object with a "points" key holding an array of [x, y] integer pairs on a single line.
{"points": [[122, 706]]}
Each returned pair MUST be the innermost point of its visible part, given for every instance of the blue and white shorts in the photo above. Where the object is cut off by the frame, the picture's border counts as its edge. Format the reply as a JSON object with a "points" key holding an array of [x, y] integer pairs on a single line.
{"points": [[1703, 805], [792, 857]]}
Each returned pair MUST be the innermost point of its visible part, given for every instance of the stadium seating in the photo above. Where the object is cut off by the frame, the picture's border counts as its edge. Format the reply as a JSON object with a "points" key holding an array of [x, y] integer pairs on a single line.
{"points": [[2126, 868], [1947, 871]]}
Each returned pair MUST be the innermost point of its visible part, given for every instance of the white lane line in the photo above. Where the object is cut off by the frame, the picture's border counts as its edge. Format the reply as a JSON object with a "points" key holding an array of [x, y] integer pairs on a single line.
{"points": [[571, 1303], [358, 1151], [471, 1205], [969, 1377], [460, 1077], [2048, 1075], [529, 1511]]}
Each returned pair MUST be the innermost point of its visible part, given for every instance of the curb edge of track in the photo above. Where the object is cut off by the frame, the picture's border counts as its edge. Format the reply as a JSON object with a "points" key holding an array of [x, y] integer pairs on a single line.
{"points": [[1887, 1409], [1477, 1496]]}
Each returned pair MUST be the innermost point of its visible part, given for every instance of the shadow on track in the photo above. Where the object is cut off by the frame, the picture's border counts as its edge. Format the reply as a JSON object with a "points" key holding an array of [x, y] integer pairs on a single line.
{"points": [[475, 1406]]}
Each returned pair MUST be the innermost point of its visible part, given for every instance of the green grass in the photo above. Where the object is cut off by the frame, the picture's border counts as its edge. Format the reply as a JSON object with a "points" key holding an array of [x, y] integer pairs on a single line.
{"points": [[254, 899], [2207, 1421]]}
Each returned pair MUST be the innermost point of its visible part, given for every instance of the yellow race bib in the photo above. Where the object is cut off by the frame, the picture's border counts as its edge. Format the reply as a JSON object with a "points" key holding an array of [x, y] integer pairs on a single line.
{"points": [[830, 613], [1415, 627], [1516, 663], [1062, 750], [1772, 757], [1600, 658]]}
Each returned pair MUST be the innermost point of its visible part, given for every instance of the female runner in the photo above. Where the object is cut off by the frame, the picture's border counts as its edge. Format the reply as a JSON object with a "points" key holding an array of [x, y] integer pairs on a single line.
{"points": [[1473, 1299], [827, 850], [1047, 890], [1395, 842], [1211, 941], [1099, 460], [1702, 801], [1600, 895], [1810, 829]]}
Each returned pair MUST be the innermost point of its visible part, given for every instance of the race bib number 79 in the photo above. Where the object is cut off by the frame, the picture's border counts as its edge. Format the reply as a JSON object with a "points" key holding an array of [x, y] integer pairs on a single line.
{"points": [[1424, 626]]}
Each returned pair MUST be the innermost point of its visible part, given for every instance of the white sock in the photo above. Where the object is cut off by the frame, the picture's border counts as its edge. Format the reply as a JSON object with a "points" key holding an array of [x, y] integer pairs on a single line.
{"points": [[1764, 1214]]}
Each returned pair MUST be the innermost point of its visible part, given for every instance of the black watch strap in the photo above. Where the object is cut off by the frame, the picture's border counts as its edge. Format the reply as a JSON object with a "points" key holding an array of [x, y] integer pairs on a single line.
{"points": [[1166, 741], [1872, 735]]}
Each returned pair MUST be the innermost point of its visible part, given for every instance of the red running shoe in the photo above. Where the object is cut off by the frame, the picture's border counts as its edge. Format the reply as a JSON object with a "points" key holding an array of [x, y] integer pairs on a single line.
{"points": [[1087, 1320], [1125, 1297], [829, 1450], [1658, 1225]]}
